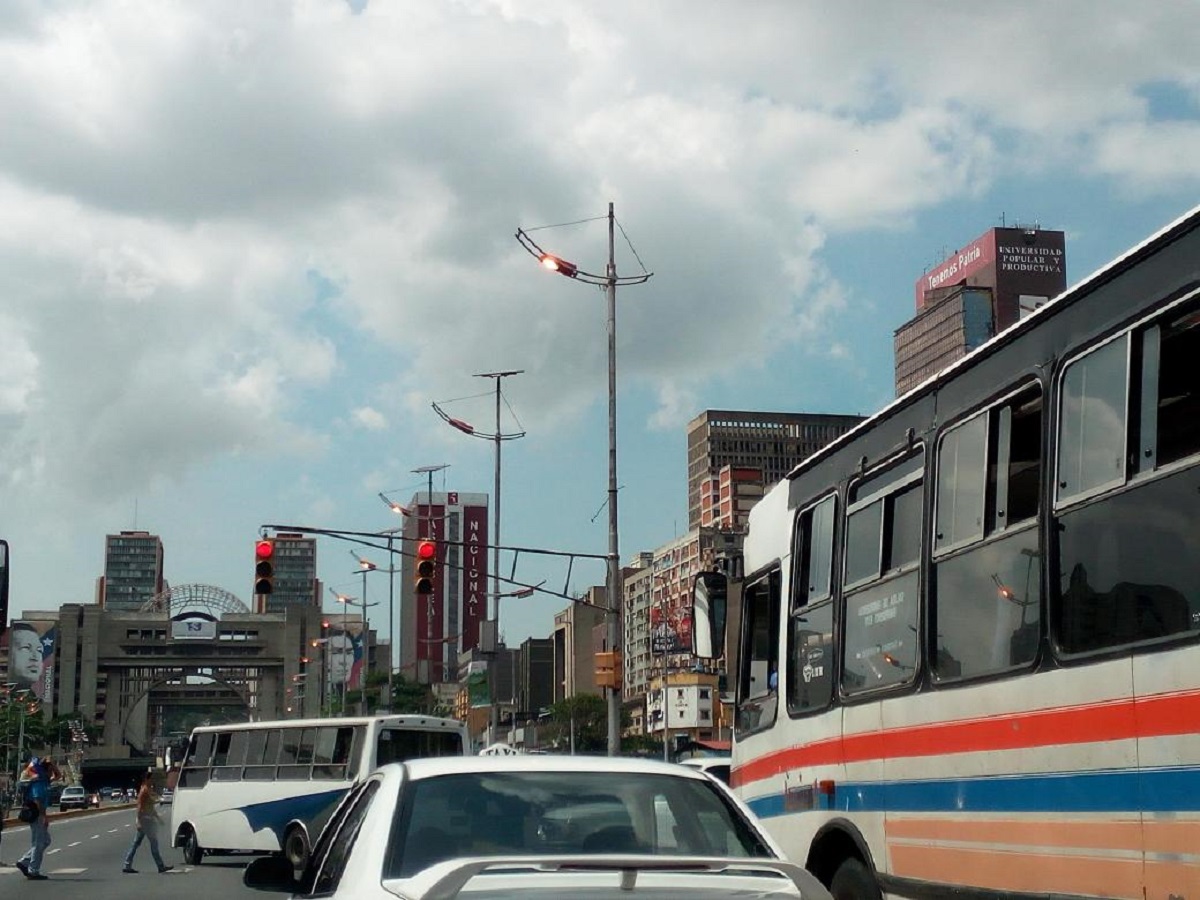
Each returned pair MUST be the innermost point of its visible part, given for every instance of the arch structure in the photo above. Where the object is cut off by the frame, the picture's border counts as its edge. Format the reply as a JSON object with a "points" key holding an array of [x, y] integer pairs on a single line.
{"points": [[206, 599]]}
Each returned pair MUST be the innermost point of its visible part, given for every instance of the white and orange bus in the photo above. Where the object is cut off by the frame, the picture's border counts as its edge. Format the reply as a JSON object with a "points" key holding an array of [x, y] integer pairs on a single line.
{"points": [[969, 651]]}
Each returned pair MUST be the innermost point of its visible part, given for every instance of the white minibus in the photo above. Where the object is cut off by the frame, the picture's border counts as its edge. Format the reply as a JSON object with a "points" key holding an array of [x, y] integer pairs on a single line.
{"points": [[269, 786]]}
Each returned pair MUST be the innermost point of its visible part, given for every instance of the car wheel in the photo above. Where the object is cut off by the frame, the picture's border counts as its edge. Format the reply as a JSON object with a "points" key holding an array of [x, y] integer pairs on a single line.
{"points": [[193, 853], [853, 881], [295, 847]]}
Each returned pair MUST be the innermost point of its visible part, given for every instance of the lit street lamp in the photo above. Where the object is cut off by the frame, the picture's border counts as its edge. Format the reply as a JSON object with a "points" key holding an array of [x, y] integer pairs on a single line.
{"points": [[366, 637], [609, 281], [496, 437]]}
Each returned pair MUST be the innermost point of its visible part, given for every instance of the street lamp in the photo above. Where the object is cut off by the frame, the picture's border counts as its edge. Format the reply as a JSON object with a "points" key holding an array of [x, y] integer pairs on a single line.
{"points": [[609, 281], [497, 437], [366, 639]]}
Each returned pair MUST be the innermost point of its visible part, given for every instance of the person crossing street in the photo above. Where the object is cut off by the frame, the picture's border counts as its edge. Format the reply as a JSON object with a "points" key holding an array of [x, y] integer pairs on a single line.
{"points": [[39, 773], [147, 827]]}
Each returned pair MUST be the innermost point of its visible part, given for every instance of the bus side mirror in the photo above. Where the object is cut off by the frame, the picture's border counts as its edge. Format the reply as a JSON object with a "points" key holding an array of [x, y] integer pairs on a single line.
{"points": [[710, 596]]}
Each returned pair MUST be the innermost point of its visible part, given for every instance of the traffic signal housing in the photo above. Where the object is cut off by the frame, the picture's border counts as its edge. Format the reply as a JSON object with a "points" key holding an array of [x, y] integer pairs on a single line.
{"points": [[264, 567], [423, 577], [608, 669]]}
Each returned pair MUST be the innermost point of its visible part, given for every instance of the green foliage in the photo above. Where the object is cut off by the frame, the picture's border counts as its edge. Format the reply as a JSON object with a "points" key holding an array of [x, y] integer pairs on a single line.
{"points": [[587, 716]]}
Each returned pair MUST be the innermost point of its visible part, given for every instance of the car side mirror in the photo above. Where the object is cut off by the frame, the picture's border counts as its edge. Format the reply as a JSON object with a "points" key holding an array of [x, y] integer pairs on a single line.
{"points": [[710, 601], [271, 873]]}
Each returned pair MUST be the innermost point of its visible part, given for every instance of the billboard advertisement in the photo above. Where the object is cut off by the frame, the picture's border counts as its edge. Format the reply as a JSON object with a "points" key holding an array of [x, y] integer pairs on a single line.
{"points": [[478, 694], [670, 631], [31, 646], [345, 653], [959, 267]]}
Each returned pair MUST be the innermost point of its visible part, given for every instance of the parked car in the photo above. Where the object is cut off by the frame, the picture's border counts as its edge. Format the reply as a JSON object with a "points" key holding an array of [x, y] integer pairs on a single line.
{"points": [[73, 797], [539, 827], [166, 796]]}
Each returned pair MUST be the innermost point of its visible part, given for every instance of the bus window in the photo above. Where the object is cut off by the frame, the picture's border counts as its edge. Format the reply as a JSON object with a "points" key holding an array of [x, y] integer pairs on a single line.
{"points": [[883, 544], [332, 753], [1126, 562], [1171, 390], [400, 744], [199, 757], [1091, 439], [810, 634], [260, 764], [290, 766], [986, 595], [758, 684]]}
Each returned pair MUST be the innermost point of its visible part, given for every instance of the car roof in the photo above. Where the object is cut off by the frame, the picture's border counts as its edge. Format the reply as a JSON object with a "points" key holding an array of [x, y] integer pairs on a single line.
{"points": [[445, 765]]}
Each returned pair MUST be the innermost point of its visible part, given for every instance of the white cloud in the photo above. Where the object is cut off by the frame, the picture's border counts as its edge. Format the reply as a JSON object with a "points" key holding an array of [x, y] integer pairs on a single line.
{"points": [[370, 419]]}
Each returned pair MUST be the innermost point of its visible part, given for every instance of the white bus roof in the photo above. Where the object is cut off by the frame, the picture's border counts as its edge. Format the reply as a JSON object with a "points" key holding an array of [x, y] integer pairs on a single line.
{"points": [[413, 720]]}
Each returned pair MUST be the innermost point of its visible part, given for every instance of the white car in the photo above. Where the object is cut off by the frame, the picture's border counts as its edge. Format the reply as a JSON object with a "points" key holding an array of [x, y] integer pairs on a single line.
{"points": [[717, 766], [487, 827]]}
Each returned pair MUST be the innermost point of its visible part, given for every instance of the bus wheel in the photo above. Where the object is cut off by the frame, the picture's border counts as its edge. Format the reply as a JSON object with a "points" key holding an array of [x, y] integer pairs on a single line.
{"points": [[193, 853], [295, 847], [853, 881]]}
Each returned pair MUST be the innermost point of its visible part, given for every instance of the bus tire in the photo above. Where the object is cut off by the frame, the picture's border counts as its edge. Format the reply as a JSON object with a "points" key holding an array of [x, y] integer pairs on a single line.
{"points": [[853, 881], [193, 853], [295, 847]]}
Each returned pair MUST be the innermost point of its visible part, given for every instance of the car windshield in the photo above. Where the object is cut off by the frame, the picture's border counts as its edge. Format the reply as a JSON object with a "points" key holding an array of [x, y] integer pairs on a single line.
{"points": [[563, 813]]}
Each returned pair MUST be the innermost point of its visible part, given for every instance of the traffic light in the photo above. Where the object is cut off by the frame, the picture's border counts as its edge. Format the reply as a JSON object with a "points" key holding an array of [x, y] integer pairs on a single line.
{"points": [[608, 669], [423, 580], [264, 567]]}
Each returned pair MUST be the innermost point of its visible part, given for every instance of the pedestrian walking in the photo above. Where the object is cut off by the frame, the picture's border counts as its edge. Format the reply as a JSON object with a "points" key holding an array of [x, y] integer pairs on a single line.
{"points": [[147, 827], [39, 773]]}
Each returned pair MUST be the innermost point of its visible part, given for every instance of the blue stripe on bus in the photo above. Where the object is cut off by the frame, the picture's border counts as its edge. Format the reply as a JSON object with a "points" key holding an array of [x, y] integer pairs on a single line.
{"points": [[276, 814], [1121, 790]]}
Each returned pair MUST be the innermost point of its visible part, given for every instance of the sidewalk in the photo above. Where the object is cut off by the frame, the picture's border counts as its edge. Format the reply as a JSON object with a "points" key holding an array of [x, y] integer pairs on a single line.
{"points": [[11, 820]]}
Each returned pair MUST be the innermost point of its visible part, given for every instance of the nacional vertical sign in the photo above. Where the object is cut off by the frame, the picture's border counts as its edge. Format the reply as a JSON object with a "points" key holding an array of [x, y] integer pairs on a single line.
{"points": [[475, 572]]}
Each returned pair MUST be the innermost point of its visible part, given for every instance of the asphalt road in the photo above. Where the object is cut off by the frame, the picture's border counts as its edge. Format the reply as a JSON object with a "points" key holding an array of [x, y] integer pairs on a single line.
{"points": [[85, 857]]}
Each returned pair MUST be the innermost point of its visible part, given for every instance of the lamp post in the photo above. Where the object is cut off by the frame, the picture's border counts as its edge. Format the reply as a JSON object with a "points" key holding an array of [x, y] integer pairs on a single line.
{"points": [[366, 641], [497, 438], [609, 282]]}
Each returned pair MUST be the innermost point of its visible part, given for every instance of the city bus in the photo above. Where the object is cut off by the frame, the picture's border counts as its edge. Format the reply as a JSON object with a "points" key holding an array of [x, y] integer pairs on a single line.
{"points": [[269, 786], [966, 660]]}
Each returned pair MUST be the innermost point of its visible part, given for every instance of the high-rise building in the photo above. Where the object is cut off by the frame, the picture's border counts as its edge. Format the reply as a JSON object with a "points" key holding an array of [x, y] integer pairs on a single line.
{"points": [[435, 628], [976, 293], [133, 570], [769, 441], [295, 574]]}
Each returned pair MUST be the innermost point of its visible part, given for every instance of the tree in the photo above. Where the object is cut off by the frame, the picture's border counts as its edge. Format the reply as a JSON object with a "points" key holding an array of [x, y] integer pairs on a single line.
{"points": [[585, 716], [412, 697]]}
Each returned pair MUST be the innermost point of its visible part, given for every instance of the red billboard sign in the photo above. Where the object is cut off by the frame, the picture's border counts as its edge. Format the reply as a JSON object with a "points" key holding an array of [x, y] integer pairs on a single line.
{"points": [[970, 260]]}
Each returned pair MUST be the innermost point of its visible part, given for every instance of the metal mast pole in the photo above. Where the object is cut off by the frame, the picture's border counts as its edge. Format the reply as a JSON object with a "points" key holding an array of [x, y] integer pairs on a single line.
{"points": [[614, 563], [391, 621]]}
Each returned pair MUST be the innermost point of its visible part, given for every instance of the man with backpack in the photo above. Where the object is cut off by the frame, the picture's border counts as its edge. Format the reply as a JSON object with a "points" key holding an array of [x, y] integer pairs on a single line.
{"points": [[39, 773]]}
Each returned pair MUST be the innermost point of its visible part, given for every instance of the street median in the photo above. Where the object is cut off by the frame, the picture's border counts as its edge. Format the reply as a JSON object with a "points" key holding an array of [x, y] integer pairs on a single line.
{"points": [[55, 815]]}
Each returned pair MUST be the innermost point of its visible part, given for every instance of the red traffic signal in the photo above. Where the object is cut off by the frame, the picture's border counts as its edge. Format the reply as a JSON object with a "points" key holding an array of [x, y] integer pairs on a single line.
{"points": [[423, 581], [264, 567]]}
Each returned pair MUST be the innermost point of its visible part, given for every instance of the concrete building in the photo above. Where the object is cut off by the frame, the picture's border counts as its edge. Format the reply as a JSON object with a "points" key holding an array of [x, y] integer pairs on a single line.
{"points": [[579, 633], [197, 655], [437, 628], [727, 497], [773, 443], [133, 571], [976, 293]]}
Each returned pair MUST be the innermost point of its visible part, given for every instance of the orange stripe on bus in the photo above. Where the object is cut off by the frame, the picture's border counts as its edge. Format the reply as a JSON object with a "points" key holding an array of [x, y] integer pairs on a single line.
{"points": [[1125, 835], [1166, 880], [1153, 716], [1033, 873], [1177, 837]]}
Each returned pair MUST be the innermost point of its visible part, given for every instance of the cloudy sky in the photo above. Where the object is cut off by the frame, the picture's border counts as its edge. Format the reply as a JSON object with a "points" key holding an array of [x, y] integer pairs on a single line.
{"points": [[243, 246]]}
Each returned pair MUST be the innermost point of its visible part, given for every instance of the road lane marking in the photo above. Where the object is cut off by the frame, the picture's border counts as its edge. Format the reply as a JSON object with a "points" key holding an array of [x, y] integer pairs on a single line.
{"points": [[76, 844], [94, 836], [67, 871], [55, 850], [113, 830]]}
